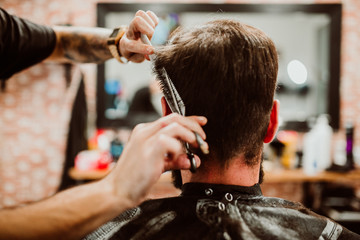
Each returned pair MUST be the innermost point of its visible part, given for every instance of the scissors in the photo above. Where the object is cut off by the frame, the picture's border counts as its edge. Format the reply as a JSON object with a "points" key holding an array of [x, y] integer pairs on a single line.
{"points": [[177, 105]]}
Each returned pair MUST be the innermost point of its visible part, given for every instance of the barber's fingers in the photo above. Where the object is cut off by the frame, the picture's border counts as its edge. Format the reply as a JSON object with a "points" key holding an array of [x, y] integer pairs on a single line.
{"points": [[131, 46], [177, 131], [134, 50], [137, 57], [147, 17], [142, 23], [153, 16], [172, 150], [180, 163], [168, 147], [192, 123]]}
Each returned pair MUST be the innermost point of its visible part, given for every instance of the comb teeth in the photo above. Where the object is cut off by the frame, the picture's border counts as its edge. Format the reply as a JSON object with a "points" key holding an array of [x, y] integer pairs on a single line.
{"points": [[167, 94], [174, 100]]}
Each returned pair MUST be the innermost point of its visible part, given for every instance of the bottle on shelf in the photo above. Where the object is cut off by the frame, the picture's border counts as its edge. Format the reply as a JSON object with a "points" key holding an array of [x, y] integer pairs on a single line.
{"points": [[349, 130], [317, 147]]}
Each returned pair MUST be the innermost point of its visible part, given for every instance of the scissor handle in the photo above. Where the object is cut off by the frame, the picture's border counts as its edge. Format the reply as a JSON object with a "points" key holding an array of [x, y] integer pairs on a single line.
{"points": [[191, 157]]}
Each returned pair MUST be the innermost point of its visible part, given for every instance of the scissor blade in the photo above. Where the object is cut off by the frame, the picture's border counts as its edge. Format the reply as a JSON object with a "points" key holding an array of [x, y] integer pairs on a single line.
{"points": [[176, 101]]}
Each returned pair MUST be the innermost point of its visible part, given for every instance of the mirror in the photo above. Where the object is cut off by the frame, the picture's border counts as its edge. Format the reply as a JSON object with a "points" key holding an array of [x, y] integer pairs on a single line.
{"points": [[307, 37]]}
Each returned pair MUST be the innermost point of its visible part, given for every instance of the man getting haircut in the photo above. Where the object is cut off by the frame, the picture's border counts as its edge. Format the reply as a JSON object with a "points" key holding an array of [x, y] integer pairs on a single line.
{"points": [[226, 71]]}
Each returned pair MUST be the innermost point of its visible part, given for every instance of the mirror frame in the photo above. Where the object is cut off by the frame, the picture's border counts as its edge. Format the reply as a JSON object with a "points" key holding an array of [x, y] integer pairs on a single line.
{"points": [[334, 11]]}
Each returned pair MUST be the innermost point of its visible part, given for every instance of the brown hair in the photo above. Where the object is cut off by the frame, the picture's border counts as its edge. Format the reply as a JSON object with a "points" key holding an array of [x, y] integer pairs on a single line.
{"points": [[226, 71]]}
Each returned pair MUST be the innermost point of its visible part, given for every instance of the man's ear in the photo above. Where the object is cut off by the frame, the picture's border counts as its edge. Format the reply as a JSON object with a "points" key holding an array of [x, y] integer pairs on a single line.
{"points": [[274, 122], [165, 107]]}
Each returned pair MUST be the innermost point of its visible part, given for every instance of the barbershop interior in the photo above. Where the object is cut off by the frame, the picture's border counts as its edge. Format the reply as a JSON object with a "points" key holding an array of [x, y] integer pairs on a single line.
{"points": [[63, 125]]}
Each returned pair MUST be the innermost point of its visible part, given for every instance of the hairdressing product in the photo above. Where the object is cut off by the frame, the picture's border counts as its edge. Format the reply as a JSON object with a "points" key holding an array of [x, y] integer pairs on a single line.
{"points": [[317, 147], [349, 129], [116, 148]]}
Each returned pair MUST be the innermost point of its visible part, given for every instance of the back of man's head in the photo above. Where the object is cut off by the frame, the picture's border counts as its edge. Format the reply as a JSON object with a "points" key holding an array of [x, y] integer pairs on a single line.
{"points": [[226, 71]]}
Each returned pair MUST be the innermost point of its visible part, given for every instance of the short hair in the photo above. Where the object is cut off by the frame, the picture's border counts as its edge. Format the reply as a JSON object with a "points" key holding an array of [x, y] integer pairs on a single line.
{"points": [[226, 71]]}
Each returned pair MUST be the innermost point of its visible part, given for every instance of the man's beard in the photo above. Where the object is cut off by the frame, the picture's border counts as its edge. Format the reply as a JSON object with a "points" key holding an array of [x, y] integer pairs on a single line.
{"points": [[176, 178], [261, 172]]}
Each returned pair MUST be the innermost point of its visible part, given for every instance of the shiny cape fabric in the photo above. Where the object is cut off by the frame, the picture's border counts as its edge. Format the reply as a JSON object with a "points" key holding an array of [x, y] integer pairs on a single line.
{"points": [[210, 211]]}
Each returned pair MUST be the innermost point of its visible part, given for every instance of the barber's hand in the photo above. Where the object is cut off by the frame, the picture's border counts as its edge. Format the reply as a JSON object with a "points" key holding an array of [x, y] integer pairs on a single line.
{"points": [[152, 149], [131, 46]]}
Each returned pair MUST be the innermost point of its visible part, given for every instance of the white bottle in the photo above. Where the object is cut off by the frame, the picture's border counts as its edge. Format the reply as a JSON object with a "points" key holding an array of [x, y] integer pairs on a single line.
{"points": [[317, 147]]}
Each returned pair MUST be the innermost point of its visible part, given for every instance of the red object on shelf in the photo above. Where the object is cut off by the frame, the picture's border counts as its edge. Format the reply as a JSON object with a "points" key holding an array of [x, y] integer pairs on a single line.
{"points": [[93, 160]]}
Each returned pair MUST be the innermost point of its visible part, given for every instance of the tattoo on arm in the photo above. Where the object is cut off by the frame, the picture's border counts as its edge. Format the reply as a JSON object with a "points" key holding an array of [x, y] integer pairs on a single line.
{"points": [[85, 45]]}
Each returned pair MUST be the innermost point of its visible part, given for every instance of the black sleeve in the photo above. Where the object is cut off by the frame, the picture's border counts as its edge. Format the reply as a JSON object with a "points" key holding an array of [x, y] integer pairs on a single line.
{"points": [[22, 44], [348, 235]]}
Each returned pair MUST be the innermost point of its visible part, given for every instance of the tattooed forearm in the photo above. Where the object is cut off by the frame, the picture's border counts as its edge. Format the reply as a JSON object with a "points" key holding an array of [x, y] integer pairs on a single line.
{"points": [[86, 45]]}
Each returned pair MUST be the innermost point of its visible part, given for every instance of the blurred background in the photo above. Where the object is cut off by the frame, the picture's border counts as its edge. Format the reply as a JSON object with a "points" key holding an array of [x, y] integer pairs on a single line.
{"points": [[52, 116]]}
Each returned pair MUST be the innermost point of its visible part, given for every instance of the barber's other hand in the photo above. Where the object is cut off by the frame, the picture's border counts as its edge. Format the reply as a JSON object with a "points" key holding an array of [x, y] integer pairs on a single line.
{"points": [[131, 46], [152, 149]]}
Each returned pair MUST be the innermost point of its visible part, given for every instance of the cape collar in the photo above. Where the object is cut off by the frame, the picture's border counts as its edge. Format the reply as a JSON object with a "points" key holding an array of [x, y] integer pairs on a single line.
{"points": [[218, 190]]}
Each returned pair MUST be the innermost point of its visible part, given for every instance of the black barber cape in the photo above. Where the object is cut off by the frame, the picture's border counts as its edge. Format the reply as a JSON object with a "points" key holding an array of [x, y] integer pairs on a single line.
{"points": [[211, 211]]}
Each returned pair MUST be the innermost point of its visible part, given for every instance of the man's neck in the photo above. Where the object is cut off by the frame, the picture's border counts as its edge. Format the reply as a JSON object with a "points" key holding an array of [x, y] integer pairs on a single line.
{"points": [[235, 173]]}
